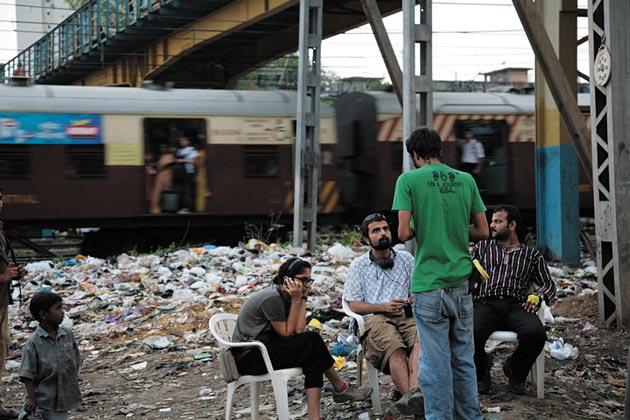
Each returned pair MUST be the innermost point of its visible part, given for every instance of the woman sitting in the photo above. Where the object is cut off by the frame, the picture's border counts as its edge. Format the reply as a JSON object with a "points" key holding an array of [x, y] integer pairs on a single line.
{"points": [[276, 316]]}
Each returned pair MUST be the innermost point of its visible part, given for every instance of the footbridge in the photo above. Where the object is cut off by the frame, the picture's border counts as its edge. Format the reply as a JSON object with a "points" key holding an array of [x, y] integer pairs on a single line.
{"points": [[193, 43]]}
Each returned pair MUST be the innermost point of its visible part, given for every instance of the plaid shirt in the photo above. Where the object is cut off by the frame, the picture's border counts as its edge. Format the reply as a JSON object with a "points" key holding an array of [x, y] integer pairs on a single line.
{"points": [[369, 283], [512, 272]]}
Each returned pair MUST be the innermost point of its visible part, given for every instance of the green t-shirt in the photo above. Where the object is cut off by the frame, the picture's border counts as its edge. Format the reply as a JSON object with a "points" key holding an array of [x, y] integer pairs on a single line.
{"points": [[441, 200]]}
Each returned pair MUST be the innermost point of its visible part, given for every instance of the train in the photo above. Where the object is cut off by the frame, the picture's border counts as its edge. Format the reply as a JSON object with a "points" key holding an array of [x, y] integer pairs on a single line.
{"points": [[82, 156]]}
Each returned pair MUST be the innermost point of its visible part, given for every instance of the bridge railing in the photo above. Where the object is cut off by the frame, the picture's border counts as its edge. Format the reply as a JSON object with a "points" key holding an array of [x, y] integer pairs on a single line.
{"points": [[85, 30]]}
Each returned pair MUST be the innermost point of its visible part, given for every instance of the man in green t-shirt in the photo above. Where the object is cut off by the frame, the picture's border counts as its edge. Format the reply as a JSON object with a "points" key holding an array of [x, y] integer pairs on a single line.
{"points": [[440, 202]]}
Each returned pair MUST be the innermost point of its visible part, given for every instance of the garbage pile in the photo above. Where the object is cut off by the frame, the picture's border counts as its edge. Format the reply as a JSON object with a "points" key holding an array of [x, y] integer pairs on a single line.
{"points": [[165, 301]]}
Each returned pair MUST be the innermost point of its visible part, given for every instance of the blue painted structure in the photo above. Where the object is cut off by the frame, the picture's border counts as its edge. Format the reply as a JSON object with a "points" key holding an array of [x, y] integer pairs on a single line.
{"points": [[558, 201]]}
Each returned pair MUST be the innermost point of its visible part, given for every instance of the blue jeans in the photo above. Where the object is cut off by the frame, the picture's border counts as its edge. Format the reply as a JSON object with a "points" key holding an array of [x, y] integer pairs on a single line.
{"points": [[444, 318]]}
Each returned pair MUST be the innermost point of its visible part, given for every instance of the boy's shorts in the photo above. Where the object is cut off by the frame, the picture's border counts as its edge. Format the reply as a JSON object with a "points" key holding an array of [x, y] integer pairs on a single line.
{"points": [[384, 334]]}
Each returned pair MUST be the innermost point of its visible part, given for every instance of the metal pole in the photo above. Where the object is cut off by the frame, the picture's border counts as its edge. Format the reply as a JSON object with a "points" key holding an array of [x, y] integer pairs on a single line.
{"points": [[413, 84], [306, 176], [422, 84], [609, 69]]}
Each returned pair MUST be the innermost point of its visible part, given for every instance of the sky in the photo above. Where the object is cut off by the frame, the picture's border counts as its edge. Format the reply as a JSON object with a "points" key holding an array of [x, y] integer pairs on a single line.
{"points": [[470, 37]]}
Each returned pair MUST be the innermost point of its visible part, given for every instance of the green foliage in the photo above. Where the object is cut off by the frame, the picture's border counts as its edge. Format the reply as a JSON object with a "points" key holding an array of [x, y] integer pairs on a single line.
{"points": [[76, 4], [351, 237]]}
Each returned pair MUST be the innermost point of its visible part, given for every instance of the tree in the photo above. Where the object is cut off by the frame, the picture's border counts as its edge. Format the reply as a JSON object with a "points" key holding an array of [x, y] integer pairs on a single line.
{"points": [[76, 4]]}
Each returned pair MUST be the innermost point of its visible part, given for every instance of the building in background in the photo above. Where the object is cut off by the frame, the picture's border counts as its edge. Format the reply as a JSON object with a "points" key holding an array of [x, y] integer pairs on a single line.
{"points": [[508, 75], [38, 17]]}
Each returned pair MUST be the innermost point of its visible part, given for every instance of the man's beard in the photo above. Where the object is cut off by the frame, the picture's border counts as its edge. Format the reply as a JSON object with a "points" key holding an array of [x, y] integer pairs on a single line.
{"points": [[501, 235], [382, 244]]}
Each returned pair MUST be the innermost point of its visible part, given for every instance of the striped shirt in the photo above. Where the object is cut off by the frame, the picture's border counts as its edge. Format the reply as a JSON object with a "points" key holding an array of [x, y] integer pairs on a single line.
{"points": [[513, 272]]}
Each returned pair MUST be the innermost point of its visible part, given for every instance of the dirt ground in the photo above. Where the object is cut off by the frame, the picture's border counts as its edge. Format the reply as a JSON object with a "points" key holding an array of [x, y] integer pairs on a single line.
{"points": [[176, 386]]}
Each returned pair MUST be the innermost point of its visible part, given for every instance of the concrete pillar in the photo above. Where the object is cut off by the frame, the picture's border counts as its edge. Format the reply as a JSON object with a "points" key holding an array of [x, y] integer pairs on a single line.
{"points": [[557, 166]]}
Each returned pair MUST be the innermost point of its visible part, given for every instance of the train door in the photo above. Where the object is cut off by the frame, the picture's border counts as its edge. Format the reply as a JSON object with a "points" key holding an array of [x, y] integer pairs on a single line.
{"points": [[493, 180], [175, 165]]}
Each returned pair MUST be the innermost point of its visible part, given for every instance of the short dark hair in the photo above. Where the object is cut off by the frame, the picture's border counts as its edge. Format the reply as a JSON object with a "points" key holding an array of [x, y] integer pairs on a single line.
{"points": [[371, 218], [425, 142], [513, 214], [42, 301], [290, 268]]}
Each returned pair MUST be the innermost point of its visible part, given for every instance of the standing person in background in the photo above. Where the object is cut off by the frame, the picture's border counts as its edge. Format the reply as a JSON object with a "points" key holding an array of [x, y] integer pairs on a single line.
{"points": [[50, 362], [185, 177], [473, 155], [8, 271], [164, 177], [441, 202]]}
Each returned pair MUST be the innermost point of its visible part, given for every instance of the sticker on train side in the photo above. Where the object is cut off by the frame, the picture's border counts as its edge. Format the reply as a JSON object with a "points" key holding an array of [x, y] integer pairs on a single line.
{"points": [[21, 128]]}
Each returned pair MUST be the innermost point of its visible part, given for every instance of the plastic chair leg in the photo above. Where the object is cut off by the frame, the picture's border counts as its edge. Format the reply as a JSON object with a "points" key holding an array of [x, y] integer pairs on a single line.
{"points": [[360, 367], [539, 366], [281, 393], [229, 404], [254, 398], [376, 397]]}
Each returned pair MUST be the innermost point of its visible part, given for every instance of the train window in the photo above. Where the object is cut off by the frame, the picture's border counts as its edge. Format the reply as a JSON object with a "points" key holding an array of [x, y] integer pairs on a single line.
{"points": [[15, 161], [261, 162], [85, 161]]}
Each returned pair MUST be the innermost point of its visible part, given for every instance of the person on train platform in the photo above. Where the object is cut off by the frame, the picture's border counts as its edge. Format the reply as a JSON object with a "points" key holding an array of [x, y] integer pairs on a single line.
{"points": [[473, 155], [440, 201], [276, 316], [378, 288], [184, 176], [518, 281]]}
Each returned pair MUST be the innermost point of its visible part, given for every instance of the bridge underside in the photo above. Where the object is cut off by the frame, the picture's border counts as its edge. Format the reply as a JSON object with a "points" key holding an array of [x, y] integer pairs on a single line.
{"points": [[213, 51]]}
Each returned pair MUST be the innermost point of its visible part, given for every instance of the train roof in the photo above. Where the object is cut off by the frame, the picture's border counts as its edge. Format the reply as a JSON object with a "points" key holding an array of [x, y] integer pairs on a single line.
{"points": [[115, 100], [118, 100], [470, 102]]}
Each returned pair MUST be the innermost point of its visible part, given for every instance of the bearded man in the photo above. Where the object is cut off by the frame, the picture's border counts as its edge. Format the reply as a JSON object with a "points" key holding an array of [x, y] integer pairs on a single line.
{"points": [[378, 288], [518, 282]]}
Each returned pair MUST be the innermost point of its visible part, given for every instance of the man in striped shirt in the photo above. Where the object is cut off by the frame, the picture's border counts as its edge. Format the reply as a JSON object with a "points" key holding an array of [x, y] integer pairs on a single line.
{"points": [[518, 282]]}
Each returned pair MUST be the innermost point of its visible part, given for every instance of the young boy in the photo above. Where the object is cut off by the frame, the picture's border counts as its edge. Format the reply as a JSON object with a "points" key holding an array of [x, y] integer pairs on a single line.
{"points": [[50, 362]]}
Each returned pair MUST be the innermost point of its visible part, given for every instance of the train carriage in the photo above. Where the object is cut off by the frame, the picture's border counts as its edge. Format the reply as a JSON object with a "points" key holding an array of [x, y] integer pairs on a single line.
{"points": [[77, 154]]}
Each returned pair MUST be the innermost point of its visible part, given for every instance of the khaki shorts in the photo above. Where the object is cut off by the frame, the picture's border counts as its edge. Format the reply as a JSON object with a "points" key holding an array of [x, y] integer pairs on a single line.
{"points": [[384, 334]]}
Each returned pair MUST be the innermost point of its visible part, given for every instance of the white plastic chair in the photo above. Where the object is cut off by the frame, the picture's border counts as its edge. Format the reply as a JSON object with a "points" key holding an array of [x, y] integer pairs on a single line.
{"points": [[222, 326], [538, 370], [371, 370]]}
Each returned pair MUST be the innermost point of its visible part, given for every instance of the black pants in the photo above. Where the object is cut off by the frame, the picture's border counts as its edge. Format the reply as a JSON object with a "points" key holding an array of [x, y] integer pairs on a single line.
{"points": [[185, 186], [507, 314], [306, 351]]}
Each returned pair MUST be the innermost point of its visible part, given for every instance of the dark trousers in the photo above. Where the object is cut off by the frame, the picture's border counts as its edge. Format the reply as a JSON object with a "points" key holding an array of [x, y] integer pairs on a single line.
{"points": [[507, 314], [185, 186], [306, 351]]}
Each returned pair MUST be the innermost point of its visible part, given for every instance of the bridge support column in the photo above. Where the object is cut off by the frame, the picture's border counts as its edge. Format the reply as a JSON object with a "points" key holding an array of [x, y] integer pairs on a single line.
{"points": [[557, 165]]}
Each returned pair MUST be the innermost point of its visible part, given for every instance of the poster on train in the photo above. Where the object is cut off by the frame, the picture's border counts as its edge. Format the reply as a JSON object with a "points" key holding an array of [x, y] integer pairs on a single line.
{"points": [[17, 128]]}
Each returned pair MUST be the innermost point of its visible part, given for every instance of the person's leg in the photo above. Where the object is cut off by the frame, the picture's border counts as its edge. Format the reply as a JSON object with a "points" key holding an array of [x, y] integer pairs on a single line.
{"points": [[386, 349], [486, 321], [435, 375], [413, 364], [399, 370], [409, 333], [459, 306], [531, 340], [52, 415], [313, 399]]}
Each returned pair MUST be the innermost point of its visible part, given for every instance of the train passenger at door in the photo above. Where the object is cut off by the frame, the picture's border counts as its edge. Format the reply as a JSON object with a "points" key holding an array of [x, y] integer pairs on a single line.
{"points": [[164, 177], [184, 175], [276, 316], [473, 155], [378, 288], [518, 282]]}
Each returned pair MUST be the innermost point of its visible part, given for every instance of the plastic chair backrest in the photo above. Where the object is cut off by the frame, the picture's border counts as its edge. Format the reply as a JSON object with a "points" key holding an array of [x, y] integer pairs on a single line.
{"points": [[222, 327]]}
